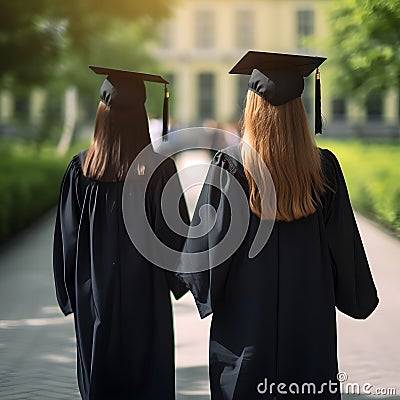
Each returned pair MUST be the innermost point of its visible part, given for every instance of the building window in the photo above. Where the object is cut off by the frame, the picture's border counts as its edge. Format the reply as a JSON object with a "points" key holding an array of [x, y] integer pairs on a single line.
{"points": [[242, 87], [21, 107], [244, 29], [339, 109], [374, 106], [204, 29], [305, 26], [206, 96]]}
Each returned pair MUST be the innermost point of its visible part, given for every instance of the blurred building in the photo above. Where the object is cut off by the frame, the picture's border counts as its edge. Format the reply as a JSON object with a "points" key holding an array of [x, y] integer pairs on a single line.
{"points": [[200, 43], [203, 39]]}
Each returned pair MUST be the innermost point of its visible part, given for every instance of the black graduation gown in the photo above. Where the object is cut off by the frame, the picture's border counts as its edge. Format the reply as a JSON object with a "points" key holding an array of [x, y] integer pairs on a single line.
{"points": [[274, 318], [121, 302]]}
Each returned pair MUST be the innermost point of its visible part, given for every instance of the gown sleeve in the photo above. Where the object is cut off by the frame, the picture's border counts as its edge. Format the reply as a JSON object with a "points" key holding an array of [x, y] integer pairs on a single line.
{"points": [[207, 286], [355, 292], [161, 229], [65, 238]]}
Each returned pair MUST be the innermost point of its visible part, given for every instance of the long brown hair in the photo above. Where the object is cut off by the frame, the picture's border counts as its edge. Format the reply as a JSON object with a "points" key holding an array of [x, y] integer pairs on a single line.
{"points": [[119, 136], [281, 136]]}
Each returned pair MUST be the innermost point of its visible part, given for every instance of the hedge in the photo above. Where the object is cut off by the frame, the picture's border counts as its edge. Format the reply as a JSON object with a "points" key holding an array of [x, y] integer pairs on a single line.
{"points": [[29, 185], [372, 173], [30, 181]]}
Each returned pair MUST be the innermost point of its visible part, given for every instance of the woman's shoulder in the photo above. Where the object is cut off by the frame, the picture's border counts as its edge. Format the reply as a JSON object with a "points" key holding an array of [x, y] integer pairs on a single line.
{"points": [[75, 169], [327, 155], [329, 162], [331, 170], [78, 159], [75, 164]]}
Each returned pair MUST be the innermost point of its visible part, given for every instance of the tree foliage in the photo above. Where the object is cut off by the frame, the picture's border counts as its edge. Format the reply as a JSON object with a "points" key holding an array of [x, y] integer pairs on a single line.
{"points": [[41, 39], [30, 40], [366, 45]]}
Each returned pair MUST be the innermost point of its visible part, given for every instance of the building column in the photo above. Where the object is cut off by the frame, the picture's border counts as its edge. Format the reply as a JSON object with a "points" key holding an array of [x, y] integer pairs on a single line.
{"points": [[6, 106], [391, 107], [37, 104], [225, 95], [186, 96]]}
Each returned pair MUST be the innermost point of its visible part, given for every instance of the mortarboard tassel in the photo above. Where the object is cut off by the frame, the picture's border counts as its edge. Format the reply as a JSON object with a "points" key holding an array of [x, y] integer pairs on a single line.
{"points": [[165, 114], [318, 115]]}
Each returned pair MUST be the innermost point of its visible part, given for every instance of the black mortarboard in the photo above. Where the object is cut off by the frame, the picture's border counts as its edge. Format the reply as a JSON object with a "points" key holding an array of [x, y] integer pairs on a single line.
{"points": [[126, 89], [279, 78]]}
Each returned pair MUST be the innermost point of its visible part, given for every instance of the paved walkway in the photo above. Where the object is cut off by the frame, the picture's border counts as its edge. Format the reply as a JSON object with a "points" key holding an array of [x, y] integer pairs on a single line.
{"points": [[369, 350], [37, 345]]}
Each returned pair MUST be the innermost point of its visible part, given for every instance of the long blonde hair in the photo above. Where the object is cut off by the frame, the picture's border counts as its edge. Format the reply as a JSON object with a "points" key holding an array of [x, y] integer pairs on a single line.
{"points": [[282, 138], [119, 136]]}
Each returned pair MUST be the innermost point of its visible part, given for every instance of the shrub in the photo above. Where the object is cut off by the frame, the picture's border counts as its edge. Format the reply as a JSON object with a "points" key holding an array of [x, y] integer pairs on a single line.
{"points": [[372, 172], [29, 185]]}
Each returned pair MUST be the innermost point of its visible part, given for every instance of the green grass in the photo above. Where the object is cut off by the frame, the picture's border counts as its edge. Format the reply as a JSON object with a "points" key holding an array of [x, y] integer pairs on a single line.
{"points": [[372, 173]]}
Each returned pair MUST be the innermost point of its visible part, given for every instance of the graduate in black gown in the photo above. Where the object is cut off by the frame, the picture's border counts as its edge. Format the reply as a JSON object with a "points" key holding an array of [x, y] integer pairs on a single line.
{"points": [[273, 330], [120, 300]]}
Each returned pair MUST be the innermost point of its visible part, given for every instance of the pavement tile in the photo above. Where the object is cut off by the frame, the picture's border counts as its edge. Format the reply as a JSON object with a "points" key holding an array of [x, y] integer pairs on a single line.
{"points": [[37, 344]]}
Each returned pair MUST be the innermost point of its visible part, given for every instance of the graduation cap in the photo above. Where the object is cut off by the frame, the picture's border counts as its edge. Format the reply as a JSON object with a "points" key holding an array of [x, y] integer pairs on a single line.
{"points": [[279, 78], [126, 90]]}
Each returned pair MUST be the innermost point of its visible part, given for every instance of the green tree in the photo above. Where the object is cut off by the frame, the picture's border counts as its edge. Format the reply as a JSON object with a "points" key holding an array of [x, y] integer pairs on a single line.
{"points": [[51, 42], [366, 45], [36, 35], [30, 41]]}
